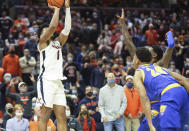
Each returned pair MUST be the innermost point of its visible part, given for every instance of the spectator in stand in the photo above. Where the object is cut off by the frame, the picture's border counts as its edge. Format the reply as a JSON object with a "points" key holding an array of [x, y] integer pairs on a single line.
{"points": [[118, 47], [79, 58], [91, 101], [98, 76], [1, 74], [5, 24], [173, 68], [93, 58], [112, 104], [3, 86], [71, 71], [27, 65], [104, 42], [151, 35], [134, 108], [31, 44], [72, 122], [87, 122], [86, 71], [24, 97], [8, 114], [11, 63], [34, 122], [18, 122]]}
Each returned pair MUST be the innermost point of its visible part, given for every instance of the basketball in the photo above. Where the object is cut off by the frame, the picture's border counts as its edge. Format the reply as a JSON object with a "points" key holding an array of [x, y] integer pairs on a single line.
{"points": [[57, 3]]}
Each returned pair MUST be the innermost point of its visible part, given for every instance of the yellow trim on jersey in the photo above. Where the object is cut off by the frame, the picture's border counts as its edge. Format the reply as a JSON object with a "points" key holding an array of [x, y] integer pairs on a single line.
{"points": [[143, 75], [151, 102], [170, 87], [154, 113]]}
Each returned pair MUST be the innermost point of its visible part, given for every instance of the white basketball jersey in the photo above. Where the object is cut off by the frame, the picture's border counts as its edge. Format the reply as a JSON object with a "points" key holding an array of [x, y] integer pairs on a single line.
{"points": [[51, 62]]}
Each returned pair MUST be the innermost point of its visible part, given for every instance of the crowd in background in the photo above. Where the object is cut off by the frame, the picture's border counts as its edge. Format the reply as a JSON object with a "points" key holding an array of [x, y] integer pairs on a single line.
{"points": [[95, 47]]}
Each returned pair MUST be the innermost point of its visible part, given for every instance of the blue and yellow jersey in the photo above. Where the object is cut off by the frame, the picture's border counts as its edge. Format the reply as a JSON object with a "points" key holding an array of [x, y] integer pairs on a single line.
{"points": [[157, 81]]}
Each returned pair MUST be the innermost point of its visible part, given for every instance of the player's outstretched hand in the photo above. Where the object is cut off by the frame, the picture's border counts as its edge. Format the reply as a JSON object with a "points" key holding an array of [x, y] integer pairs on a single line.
{"points": [[67, 3], [122, 17], [170, 39], [53, 7]]}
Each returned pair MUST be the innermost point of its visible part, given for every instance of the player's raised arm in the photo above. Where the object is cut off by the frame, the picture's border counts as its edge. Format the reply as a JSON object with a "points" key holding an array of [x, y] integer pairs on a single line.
{"points": [[144, 98], [168, 53], [127, 38], [62, 38], [181, 79], [49, 31]]}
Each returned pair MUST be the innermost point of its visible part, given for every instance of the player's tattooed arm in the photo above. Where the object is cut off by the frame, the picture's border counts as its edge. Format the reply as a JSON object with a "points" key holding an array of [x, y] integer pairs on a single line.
{"points": [[138, 82], [169, 51], [127, 38], [62, 38], [46, 35], [181, 79]]}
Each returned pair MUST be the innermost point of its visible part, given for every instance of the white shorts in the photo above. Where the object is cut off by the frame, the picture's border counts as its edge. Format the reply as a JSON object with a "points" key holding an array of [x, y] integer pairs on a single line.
{"points": [[50, 92]]}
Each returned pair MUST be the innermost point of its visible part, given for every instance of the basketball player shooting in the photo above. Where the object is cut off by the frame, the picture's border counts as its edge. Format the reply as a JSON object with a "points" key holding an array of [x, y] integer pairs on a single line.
{"points": [[50, 89]]}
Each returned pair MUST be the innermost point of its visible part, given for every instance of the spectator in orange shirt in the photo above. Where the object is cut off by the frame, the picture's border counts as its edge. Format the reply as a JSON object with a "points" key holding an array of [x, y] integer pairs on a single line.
{"points": [[134, 108], [151, 35], [11, 63], [1, 74], [34, 122], [87, 122]]}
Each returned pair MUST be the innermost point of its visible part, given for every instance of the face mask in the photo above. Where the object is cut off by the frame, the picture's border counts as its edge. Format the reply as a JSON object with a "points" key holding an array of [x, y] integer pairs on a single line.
{"points": [[8, 79], [68, 113], [19, 114], [20, 36], [23, 90], [10, 110], [74, 92], [111, 81], [129, 63], [35, 118], [11, 36], [100, 65], [70, 58], [12, 52], [33, 105], [89, 94], [33, 37], [129, 84], [94, 92], [116, 69]]}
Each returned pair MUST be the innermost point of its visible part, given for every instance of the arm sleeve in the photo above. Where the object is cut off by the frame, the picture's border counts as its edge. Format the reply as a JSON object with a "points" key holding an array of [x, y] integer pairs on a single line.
{"points": [[8, 126], [92, 78], [22, 63], [32, 62], [13, 96], [93, 125], [101, 104], [33, 93], [27, 128], [124, 103], [78, 126]]}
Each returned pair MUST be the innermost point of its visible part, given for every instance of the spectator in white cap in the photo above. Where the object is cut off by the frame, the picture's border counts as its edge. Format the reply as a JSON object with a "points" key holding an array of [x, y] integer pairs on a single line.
{"points": [[134, 108], [24, 97]]}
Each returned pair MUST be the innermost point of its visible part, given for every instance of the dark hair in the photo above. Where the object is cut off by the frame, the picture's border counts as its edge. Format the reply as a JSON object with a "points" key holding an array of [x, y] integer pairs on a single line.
{"points": [[41, 27], [157, 49], [143, 54]]}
